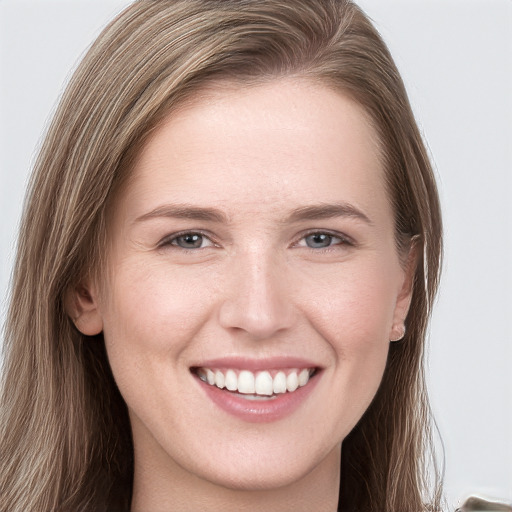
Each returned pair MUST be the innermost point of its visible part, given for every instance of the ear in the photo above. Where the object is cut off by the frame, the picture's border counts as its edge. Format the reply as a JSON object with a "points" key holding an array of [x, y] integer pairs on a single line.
{"points": [[81, 303], [404, 296]]}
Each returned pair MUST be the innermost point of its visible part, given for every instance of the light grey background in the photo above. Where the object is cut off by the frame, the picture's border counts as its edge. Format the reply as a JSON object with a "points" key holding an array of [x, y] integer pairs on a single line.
{"points": [[456, 59]]}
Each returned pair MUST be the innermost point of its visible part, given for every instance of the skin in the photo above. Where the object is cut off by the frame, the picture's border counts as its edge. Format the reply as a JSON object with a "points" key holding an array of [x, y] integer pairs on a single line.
{"points": [[254, 289]]}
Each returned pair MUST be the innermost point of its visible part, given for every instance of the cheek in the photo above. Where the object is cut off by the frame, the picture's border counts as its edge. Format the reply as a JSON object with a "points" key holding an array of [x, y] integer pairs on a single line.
{"points": [[355, 310], [150, 318], [354, 318]]}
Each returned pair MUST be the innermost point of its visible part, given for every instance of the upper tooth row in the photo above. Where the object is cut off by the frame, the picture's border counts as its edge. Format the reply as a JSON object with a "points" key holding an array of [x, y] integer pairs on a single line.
{"points": [[260, 384]]}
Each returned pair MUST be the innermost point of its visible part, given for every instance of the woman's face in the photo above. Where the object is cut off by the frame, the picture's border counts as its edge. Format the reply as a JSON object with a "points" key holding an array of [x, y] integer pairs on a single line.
{"points": [[254, 285]]}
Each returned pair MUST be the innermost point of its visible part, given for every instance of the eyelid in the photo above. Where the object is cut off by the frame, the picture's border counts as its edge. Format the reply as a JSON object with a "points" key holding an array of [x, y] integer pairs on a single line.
{"points": [[345, 239], [167, 240]]}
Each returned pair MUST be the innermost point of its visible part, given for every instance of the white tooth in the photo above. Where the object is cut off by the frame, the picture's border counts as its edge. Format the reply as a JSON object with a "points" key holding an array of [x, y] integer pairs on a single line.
{"points": [[263, 384], [292, 381], [231, 380], [246, 382], [210, 377], [219, 379], [303, 377], [280, 383]]}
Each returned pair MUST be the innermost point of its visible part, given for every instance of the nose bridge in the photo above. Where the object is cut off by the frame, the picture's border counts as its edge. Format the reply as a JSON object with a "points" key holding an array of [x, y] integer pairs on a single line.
{"points": [[257, 302]]}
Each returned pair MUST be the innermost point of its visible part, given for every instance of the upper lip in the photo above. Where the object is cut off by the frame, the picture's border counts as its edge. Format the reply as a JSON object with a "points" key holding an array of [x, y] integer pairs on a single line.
{"points": [[254, 365]]}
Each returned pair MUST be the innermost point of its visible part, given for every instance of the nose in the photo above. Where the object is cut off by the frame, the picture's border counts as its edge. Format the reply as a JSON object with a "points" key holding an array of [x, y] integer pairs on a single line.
{"points": [[258, 302]]}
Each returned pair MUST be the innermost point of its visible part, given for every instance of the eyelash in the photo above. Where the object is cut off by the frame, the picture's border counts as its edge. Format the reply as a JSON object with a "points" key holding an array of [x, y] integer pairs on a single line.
{"points": [[342, 240], [171, 240]]}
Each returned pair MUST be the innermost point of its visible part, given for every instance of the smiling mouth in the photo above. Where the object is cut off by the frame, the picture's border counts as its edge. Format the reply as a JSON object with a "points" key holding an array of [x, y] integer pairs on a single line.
{"points": [[261, 385]]}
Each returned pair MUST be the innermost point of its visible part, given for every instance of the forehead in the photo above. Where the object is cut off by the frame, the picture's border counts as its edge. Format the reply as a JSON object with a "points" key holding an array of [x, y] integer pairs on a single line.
{"points": [[277, 143]]}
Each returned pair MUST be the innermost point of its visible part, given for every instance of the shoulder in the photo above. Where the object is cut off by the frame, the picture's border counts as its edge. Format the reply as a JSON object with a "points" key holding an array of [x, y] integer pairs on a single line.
{"points": [[477, 504]]}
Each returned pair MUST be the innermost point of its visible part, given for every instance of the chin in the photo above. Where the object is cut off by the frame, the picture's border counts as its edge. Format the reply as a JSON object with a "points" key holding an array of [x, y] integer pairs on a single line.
{"points": [[271, 468], [265, 479]]}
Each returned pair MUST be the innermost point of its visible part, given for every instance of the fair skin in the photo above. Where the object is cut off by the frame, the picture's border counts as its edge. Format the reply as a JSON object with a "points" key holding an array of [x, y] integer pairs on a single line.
{"points": [[255, 235]]}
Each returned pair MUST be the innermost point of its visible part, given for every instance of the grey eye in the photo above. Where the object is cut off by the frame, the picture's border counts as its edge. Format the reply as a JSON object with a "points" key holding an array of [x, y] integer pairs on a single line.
{"points": [[319, 240], [189, 241]]}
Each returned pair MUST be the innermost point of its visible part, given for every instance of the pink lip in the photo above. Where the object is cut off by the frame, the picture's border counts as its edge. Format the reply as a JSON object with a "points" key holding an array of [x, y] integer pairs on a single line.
{"points": [[254, 365], [258, 411]]}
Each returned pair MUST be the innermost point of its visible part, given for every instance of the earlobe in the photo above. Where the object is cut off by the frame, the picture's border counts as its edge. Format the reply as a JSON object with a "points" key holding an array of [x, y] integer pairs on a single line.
{"points": [[82, 307]]}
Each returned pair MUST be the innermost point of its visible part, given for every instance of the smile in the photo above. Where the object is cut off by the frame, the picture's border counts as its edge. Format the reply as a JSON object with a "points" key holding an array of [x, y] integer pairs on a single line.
{"points": [[261, 385], [256, 390]]}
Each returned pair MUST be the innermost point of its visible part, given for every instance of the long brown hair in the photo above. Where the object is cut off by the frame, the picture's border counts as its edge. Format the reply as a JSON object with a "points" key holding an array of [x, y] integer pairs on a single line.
{"points": [[64, 431]]}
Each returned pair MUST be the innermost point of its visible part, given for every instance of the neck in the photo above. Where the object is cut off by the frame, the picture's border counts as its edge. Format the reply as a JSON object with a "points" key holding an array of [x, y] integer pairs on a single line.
{"points": [[170, 488]]}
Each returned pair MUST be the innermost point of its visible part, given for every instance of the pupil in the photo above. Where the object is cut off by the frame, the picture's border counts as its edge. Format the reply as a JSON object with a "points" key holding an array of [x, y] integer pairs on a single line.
{"points": [[191, 241], [318, 240]]}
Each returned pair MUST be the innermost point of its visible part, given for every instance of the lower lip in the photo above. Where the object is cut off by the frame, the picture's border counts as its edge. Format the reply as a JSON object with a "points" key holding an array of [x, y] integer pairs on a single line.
{"points": [[259, 411]]}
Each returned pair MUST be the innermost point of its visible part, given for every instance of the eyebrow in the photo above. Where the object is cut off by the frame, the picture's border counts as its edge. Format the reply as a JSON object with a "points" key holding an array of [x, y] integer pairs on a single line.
{"points": [[185, 212], [328, 211], [311, 212]]}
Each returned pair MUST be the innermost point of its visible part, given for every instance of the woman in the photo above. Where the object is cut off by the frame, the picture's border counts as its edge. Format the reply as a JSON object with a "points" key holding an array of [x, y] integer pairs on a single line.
{"points": [[167, 348]]}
